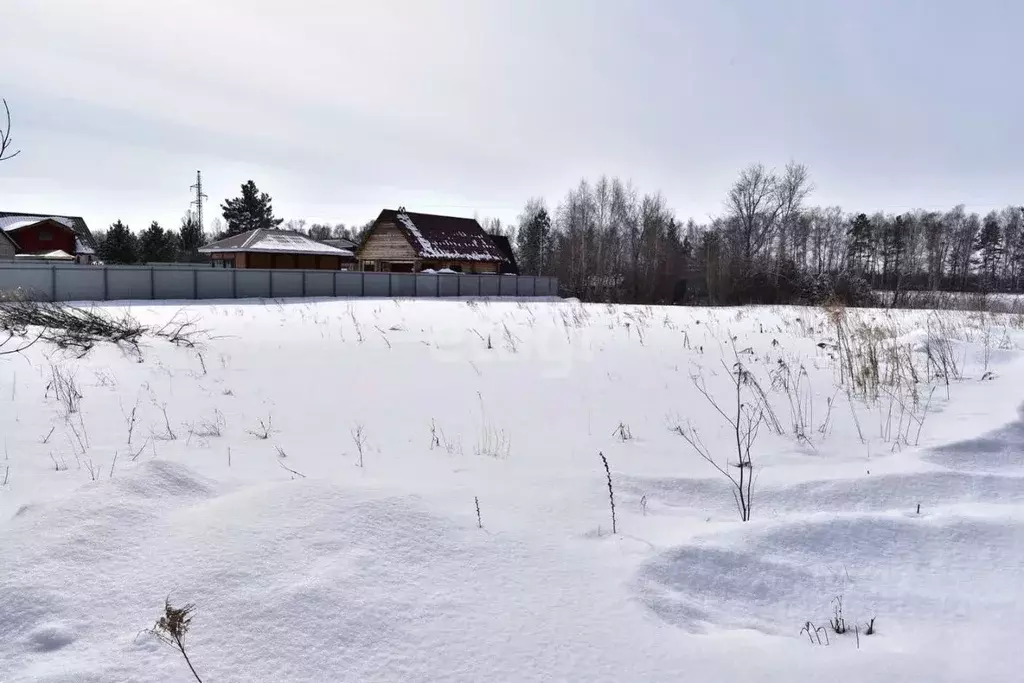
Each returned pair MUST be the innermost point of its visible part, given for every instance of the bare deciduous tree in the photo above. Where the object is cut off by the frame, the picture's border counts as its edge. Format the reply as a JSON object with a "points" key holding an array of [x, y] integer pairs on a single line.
{"points": [[5, 136]]}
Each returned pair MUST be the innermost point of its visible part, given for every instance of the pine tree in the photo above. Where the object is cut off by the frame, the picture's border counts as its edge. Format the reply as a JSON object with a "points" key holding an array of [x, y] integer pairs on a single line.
{"points": [[532, 240], [157, 245], [190, 238], [120, 246], [250, 211], [860, 235], [988, 247]]}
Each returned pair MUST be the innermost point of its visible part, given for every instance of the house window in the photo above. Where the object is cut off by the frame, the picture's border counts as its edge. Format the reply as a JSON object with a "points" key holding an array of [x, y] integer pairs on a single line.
{"points": [[369, 267]]}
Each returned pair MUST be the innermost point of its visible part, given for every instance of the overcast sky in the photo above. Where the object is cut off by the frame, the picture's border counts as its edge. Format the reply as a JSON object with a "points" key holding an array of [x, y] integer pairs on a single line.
{"points": [[339, 108]]}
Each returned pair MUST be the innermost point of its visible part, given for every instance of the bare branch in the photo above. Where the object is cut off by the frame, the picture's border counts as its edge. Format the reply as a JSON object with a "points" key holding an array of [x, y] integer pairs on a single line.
{"points": [[5, 136]]}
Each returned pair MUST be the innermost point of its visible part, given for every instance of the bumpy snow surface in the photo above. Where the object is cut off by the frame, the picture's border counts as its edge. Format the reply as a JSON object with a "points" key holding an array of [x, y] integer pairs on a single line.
{"points": [[308, 478]]}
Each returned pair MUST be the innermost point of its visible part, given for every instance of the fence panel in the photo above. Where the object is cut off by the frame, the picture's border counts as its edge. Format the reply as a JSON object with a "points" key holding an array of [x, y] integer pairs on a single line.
{"points": [[320, 283], [252, 284], [136, 283], [80, 284], [489, 285], [426, 284], [174, 284], [216, 283], [285, 283], [349, 284], [36, 283], [377, 284], [448, 285]]}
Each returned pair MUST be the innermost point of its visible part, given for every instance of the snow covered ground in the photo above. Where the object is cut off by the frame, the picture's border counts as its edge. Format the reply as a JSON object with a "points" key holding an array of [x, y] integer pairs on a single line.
{"points": [[309, 479]]}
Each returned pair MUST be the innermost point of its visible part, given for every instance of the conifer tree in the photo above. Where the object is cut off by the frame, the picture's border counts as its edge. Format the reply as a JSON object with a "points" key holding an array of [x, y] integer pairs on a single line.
{"points": [[121, 246], [250, 211]]}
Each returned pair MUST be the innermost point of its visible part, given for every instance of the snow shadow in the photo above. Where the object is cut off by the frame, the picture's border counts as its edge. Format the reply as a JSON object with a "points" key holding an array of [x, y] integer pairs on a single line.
{"points": [[879, 493], [1001, 450], [897, 569]]}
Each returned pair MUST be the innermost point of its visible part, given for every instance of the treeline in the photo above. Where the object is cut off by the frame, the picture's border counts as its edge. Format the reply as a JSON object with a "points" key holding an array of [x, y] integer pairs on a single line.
{"points": [[608, 241]]}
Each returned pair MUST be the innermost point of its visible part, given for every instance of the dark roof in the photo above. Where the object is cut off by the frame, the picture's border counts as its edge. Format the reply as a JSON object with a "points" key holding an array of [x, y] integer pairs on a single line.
{"points": [[273, 241], [444, 237], [503, 243], [76, 223], [340, 243]]}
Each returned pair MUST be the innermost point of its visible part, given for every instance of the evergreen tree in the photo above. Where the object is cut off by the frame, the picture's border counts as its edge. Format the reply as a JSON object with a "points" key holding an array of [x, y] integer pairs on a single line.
{"points": [[894, 248], [190, 238], [250, 211], [988, 247], [157, 245], [532, 239], [120, 246], [860, 242]]}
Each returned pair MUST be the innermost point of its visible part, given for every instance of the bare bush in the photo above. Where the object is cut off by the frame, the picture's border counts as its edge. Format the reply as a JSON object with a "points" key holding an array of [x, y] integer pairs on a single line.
{"points": [[359, 439], [611, 492], [745, 422], [265, 428], [64, 385], [493, 442]]}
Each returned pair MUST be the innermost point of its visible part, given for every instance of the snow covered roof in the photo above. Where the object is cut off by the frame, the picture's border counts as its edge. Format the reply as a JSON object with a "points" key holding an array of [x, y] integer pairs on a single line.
{"points": [[277, 241], [444, 237], [55, 255], [83, 248], [15, 220], [12, 223]]}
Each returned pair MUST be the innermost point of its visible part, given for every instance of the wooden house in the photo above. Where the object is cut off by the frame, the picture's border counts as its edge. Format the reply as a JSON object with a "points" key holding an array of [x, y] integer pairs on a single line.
{"points": [[265, 248], [46, 237], [404, 242]]}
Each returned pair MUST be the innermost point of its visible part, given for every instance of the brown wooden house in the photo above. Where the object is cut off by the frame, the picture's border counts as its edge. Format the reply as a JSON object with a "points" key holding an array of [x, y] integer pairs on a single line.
{"points": [[405, 242], [265, 248]]}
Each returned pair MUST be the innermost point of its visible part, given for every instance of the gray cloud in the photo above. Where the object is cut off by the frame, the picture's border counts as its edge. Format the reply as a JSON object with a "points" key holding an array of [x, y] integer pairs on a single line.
{"points": [[339, 108]]}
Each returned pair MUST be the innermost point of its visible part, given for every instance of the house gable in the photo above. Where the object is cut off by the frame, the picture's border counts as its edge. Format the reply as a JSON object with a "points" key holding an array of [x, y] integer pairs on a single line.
{"points": [[387, 242], [42, 236]]}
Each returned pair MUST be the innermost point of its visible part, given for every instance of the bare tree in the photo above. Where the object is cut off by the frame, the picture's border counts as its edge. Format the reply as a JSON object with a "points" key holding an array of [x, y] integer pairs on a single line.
{"points": [[793, 188], [754, 203], [5, 136]]}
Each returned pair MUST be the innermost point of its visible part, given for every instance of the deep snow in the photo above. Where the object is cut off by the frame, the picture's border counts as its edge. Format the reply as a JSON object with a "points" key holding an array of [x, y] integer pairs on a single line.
{"points": [[305, 566]]}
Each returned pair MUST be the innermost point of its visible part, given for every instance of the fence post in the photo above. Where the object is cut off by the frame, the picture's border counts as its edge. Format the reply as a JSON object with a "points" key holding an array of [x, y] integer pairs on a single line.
{"points": [[437, 284], [362, 283], [234, 283], [152, 283], [334, 284], [53, 283], [303, 284], [195, 283], [106, 289], [390, 279]]}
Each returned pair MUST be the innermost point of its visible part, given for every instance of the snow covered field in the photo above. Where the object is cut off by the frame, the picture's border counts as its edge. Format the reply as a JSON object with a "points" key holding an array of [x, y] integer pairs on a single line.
{"points": [[309, 479]]}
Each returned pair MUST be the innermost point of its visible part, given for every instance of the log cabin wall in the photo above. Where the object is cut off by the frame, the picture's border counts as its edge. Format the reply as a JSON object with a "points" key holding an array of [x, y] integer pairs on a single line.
{"points": [[387, 243]]}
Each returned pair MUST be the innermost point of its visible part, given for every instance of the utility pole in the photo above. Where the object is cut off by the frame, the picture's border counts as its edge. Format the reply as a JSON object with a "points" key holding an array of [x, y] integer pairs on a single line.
{"points": [[198, 201]]}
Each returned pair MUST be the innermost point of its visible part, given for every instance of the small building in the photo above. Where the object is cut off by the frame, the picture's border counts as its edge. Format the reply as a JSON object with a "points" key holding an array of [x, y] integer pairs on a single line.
{"points": [[404, 242], [41, 236], [281, 249]]}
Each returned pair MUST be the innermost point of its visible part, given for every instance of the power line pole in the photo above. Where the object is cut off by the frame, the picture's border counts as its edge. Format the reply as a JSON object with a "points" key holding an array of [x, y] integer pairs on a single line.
{"points": [[198, 201]]}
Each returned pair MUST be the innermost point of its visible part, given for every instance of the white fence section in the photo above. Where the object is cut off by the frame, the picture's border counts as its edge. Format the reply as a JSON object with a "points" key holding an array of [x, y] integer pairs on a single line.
{"points": [[69, 282]]}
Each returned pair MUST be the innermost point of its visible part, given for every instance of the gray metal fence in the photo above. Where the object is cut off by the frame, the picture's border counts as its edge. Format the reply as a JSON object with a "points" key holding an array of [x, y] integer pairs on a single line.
{"points": [[68, 282]]}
